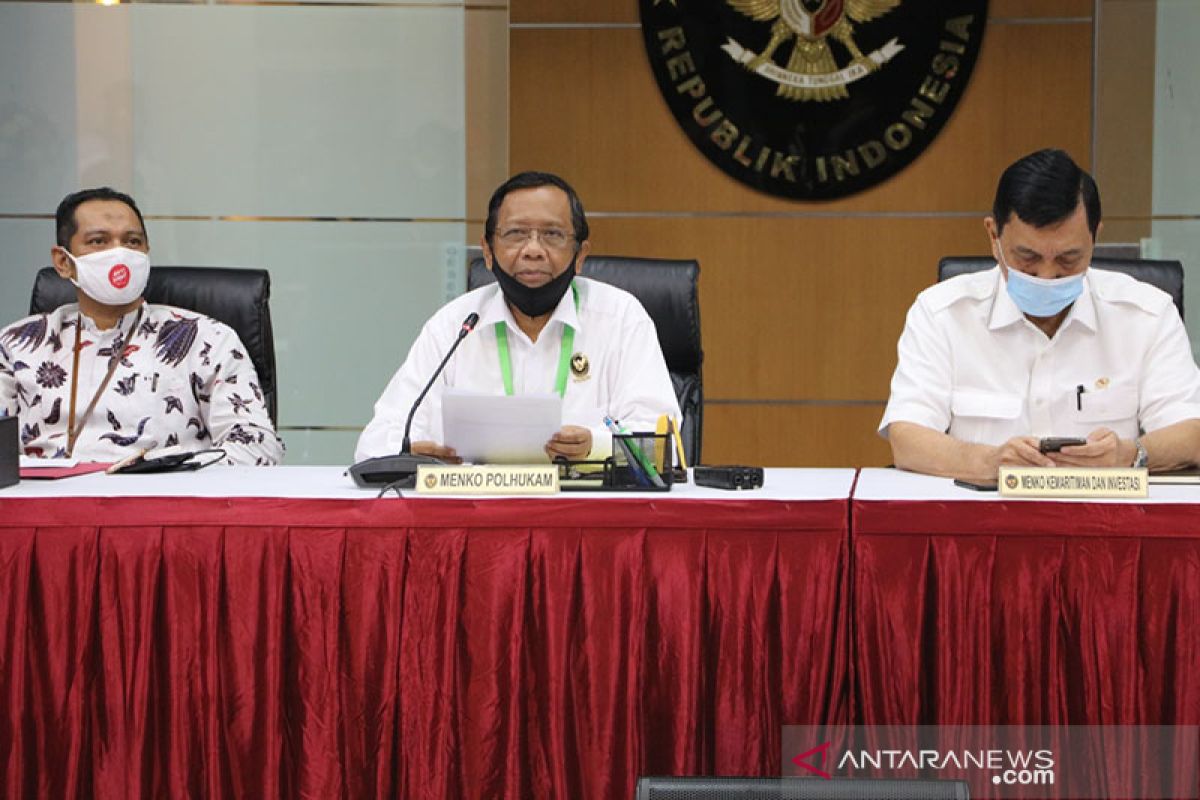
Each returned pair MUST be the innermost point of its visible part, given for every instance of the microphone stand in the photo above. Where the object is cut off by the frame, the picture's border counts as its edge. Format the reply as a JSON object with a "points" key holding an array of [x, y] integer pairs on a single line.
{"points": [[399, 471]]}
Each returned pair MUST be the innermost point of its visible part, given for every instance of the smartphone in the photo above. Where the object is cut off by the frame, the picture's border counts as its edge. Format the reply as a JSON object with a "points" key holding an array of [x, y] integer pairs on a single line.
{"points": [[1052, 444], [170, 463], [165, 459], [975, 487]]}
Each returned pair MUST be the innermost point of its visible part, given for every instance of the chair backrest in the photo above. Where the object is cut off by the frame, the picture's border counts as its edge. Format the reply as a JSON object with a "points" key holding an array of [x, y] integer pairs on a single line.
{"points": [[668, 290], [238, 297], [1166, 275]]}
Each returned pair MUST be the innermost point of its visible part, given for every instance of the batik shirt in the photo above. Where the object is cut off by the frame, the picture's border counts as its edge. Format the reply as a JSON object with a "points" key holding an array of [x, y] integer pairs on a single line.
{"points": [[183, 379]]}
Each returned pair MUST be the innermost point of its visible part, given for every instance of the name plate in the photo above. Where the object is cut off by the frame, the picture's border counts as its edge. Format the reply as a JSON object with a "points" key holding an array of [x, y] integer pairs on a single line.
{"points": [[487, 479], [1073, 482]]}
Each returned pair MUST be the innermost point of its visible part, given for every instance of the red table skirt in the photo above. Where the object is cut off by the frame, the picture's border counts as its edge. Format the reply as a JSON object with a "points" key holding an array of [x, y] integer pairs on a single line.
{"points": [[1006, 613], [440, 649]]}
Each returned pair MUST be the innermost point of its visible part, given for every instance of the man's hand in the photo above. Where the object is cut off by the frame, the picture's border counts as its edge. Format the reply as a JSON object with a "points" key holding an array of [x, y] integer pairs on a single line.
{"points": [[920, 449], [572, 442], [1021, 451], [436, 450], [1103, 449]]}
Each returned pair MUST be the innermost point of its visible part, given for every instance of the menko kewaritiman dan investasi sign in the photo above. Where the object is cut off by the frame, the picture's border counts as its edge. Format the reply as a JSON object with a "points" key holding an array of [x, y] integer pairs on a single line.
{"points": [[812, 99]]}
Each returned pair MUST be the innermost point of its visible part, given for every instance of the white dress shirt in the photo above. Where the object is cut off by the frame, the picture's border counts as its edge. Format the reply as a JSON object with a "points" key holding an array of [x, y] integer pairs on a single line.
{"points": [[627, 378], [183, 379], [972, 365]]}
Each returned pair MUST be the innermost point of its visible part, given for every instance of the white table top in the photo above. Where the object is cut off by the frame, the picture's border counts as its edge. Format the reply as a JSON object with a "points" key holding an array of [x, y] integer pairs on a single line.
{"points": [[896, 484], [333, 482]]}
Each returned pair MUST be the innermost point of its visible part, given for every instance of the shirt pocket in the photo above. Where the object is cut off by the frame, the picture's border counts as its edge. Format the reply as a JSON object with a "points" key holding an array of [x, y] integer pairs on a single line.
{"points": [[976, 404], [167, 399], [1108, 405]]}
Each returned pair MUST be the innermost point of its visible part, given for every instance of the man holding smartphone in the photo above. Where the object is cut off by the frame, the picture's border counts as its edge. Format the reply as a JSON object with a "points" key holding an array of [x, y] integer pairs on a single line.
{"points": [[1008, 366]]}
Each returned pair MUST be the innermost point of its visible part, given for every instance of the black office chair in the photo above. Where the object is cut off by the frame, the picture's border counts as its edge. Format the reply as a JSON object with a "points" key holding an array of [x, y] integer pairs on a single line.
{"points": [[1166, 275], [238, 297], [667, 289]]}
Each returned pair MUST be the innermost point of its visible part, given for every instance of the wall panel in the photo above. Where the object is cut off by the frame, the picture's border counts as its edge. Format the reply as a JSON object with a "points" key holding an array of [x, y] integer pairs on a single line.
{"points": [[1125, 117], [611, 132], [282, 124], [37, 110], [1039, 9], [486, 54], [795, 435], [806, 308], [626, 11], [802, 303], [322, 141]]}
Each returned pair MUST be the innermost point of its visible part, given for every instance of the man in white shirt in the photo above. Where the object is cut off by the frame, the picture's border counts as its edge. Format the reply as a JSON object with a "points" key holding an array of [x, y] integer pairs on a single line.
{"points": [[541, 329], [112, 375], [1043, 346]]}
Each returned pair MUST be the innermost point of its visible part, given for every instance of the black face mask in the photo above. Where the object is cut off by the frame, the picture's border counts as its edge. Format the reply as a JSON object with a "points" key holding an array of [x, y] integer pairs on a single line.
{"points": [[533, 301]]}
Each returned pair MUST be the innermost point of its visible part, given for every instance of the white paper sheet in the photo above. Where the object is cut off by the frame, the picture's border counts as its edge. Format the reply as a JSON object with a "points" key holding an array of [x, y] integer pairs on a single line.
{"points": [[491, 429], [33, 462]]}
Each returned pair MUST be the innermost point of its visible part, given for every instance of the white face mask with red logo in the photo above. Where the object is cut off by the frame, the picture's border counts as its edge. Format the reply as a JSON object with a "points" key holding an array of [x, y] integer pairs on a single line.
{"points": [[113, 277]]}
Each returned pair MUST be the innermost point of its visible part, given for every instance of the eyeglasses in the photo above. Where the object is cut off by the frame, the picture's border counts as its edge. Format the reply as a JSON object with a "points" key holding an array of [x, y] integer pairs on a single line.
{"points": [[550, 237]]}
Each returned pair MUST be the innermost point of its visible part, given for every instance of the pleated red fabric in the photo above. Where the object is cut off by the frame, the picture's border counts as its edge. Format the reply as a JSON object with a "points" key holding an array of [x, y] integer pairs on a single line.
{"points": [[415, 649], [1026, 613]]}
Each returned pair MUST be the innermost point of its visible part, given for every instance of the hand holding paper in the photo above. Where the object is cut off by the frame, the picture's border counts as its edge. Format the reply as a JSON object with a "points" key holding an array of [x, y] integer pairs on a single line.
{"points": [[500, 429]]}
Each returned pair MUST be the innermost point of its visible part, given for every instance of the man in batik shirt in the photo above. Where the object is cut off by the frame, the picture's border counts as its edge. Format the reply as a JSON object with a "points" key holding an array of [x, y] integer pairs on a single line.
{"points": [[111, 375]]}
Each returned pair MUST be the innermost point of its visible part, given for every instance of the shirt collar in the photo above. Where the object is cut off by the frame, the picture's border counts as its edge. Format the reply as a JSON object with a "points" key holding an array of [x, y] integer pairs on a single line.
{"points": [[1005, 311], [1084, 310], [71, 312], [495, 309]]}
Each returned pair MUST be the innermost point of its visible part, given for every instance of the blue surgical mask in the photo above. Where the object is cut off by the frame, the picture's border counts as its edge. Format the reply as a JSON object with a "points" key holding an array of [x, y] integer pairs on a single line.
{"points": [[1043, 297]]}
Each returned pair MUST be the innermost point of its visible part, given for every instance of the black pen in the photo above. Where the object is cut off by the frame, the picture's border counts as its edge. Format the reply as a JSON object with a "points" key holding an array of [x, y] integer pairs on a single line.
{"points": [[1079, 390]]}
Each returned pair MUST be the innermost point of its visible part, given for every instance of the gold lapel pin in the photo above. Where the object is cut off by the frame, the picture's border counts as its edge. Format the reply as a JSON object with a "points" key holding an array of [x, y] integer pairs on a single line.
{"points": [[580, 367]]}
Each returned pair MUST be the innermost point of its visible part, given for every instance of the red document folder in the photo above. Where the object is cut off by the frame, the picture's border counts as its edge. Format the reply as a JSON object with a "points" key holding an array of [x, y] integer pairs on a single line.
{"points": [[54, 473]]}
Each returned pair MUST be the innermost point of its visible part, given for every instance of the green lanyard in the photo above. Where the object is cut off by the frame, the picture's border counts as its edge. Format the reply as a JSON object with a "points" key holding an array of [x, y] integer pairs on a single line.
{"points": [[564, 355]]}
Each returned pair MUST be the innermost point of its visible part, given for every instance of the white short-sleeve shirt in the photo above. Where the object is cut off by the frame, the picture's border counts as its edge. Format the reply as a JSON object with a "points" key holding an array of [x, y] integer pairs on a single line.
{"points": [[971, 364], [627, 377]]}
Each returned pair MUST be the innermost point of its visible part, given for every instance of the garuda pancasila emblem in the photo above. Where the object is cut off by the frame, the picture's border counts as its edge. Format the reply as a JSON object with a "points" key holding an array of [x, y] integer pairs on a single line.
{"points": [[812, 73]]}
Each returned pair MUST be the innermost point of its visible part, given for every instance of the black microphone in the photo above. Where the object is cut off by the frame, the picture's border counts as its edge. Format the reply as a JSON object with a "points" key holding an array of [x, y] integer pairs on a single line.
{"points": [[400, 470]]}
